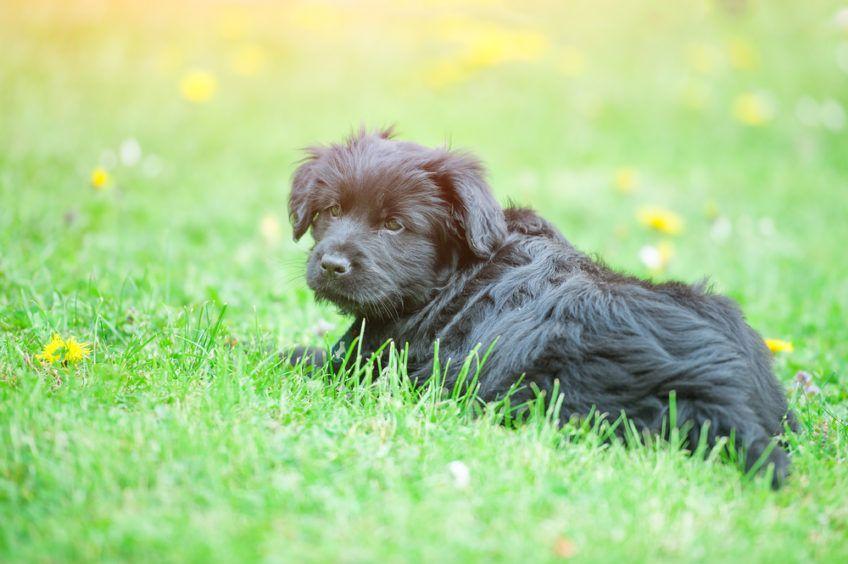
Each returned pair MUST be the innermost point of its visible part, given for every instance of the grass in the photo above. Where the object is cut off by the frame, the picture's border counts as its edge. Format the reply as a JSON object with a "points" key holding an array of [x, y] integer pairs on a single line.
{"points": [[182, 438]]}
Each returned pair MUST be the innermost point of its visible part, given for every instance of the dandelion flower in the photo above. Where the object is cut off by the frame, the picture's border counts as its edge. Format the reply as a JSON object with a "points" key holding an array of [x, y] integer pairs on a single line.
{"points": [[100, 178], [76, 351], [779, 346], [233, 24], [50, 353], [445, 73], [484, 46], [711, 210], [320, 18], [752, 109], [741, 54], [198, 86], [660, 219], [248, 60], [67, 351], [702, 58], [499, 45], [626, 179]]}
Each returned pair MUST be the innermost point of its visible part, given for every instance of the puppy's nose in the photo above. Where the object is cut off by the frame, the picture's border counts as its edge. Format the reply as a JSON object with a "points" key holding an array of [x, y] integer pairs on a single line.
{"points": [[336, 265]]}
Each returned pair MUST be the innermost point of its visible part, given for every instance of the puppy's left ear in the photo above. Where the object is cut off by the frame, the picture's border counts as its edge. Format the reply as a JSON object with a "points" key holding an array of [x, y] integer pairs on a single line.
{"points": [[301, 210], [478, 215]]}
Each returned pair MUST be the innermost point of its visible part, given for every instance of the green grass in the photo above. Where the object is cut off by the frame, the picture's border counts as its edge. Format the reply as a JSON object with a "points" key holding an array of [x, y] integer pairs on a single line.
{"points": [[182, 437]]}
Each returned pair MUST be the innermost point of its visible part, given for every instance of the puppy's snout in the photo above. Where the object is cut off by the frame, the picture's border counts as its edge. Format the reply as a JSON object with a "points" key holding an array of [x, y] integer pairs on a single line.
{"points": [[335, 264]]}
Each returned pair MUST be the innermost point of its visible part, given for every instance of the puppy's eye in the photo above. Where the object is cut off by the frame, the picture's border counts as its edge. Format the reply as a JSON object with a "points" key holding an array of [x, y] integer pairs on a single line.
{"points": [[335, 210], [392, 224]]}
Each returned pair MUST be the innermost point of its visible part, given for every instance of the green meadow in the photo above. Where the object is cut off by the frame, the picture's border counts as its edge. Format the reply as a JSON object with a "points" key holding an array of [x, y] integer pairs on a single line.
{"points": [[148, 279]]}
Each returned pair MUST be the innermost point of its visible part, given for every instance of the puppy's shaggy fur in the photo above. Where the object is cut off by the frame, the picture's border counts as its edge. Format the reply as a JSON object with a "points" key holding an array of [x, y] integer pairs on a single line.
{"points": [[411, 240]]}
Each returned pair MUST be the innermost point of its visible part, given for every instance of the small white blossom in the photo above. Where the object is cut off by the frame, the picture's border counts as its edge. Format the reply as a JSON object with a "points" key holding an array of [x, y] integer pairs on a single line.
{"points": [[721, 229], [460, 474], [130, 152], [322, 327]]}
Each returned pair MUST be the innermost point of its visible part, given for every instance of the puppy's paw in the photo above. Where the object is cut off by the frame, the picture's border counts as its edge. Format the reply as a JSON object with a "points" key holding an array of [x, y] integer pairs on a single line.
{"points": [[308, 356], [777, 459]]}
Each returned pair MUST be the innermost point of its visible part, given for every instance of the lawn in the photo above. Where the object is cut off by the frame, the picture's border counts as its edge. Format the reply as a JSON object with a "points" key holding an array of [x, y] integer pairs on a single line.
{"points": [[145, 156]]}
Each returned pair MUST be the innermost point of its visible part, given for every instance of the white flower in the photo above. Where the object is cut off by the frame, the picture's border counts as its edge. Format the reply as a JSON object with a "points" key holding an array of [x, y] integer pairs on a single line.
{"points": [[767, 227], [828, 113], [841, 19], [322, 327], [130, 152], [460, 474], [272, 231], [832, 115], [721, 229], [656, 258]]}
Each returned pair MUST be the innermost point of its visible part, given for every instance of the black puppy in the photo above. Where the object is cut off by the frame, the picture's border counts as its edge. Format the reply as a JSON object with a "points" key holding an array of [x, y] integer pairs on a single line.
{"points": [[411, 240]]}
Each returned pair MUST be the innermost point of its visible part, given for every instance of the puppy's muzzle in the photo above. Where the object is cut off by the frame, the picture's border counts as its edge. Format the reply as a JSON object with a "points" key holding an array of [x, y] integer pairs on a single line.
{"points": [[335, 265]]}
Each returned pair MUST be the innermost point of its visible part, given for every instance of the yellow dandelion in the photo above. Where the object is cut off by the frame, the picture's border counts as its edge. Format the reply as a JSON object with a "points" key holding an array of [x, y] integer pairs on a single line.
{"points": [[233, 24], [694, 95], [76, 351], [779, 346], [52, 350], [571, 62], [660, 219], [482, 46], [656, 258], [62, 350], [198, 86], [100, 178], [445, 73], [742, 54], [702, 58], [626, 179], [248, 60], [496, 45], [752, 109], [711, 210]]}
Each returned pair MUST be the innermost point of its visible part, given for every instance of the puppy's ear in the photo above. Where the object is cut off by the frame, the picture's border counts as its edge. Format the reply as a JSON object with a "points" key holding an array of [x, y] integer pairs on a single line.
{"points": [[478, 215], [301, 209]]}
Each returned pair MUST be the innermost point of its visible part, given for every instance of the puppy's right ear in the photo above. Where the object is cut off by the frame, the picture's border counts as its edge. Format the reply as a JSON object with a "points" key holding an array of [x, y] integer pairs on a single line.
{"points": [[301, 209], [479, 218]]}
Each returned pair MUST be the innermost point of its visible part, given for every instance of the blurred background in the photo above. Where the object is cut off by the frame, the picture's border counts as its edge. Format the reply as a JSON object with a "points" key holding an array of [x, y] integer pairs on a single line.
{"points": [[155, 140]]}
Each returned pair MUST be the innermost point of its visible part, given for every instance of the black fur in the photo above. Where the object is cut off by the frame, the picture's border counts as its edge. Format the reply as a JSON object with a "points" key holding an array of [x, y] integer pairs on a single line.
{"points": [[465, 272]]}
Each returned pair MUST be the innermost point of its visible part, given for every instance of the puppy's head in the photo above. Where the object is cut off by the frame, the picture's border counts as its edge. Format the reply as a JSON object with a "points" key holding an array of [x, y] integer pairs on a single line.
{"points": [[391, 220]]}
